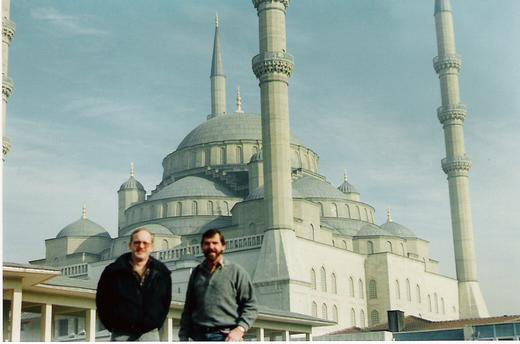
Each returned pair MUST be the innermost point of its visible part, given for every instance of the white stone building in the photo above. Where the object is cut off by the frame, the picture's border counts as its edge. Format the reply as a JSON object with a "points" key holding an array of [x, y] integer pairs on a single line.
{"points": [[313, 248]]}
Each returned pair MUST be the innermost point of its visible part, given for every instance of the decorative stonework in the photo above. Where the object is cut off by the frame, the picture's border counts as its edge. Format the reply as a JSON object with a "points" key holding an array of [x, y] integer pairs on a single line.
{"points": [[7, 87], [8, 30], [272, 62], [456, 166], [447, 62], [452, 114], [285, 3]]}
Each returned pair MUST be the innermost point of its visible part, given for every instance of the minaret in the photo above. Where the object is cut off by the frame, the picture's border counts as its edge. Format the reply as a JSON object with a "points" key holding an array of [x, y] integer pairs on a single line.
{"points": [[277, 270], [8, 30], [218, 77], [239, 101], [456, 165]]}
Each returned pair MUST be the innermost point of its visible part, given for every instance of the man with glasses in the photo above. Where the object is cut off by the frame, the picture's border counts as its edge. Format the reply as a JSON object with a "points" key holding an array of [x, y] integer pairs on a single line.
{"points": [[220, 301], [134, 292]]}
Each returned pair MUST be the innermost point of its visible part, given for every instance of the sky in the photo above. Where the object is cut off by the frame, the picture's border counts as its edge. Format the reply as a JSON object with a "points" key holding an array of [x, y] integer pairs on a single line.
{"points": [[100, 84]]}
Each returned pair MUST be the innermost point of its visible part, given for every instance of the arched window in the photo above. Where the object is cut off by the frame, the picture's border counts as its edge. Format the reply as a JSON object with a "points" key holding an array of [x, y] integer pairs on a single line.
{"points": [[178, 211], [362, 320], [333, 286], [352, 317], [211, 210], [443, 306], [372, 289], [334, 209], [348, 210], [226, 208], [165, 210], [207, 156], [313, 232], [194, 208], [374, 317], [313, 279], [165, 245], [314, 309], [429, 303], [403, 252], [351, 287], [366, 215], [358, 213], [436, 302], [418, 291], [193, 160], [370, 247], [345, 246], [397, 290], [335, 313], [361, 289], [408, 291], [222, 155], [239, 155], [324, 311], [321, 209], [389, 247], [323, 279], [252, 228]]}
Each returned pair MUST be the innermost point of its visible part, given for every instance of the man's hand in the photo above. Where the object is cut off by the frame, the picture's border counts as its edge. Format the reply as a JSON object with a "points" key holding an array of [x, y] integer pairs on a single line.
{"points": [[236, 334]]}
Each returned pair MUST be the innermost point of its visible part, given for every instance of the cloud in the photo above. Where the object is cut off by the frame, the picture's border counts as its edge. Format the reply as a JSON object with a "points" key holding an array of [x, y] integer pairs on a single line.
{"points": [[65, 23]]}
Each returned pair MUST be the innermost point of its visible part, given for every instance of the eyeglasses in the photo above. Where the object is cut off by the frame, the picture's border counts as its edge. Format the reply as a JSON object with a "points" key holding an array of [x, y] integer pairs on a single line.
{"points": [[139, 243]]}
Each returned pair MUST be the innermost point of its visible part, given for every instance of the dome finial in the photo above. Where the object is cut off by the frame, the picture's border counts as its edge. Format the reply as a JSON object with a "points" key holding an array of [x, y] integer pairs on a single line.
{"points": [[239, 101], [389, 215], [216, 19], [84, 212], [132, 170], [345, 175]]}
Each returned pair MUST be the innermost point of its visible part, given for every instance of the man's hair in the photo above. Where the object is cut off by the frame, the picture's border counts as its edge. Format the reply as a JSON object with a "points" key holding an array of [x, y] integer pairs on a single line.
{"points": [[210, 233], [141, 229]]}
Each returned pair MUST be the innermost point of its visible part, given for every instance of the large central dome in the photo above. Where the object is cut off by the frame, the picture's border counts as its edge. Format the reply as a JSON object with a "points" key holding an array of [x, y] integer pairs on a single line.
{"points": [[232, 127]]}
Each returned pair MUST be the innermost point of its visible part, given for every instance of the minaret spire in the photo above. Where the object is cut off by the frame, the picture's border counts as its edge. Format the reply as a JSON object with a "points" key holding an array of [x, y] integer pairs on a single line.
{"points": [[239, 101], [389, 215], [218, 76], [456, 165], [132, 170], [345, 178], [84, 212]]}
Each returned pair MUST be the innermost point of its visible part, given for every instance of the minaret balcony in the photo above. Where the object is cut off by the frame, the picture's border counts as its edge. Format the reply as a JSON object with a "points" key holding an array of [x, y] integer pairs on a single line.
{"points": [[447, 63], [456, 166], [452, 114], [273, 62], [257, 3], [7, 87], [8, 30]]}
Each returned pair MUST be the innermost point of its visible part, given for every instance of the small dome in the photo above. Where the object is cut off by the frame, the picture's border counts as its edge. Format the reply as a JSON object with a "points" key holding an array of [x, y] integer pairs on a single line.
{"points": [[83, 227], [310, 187], [398, 229], [132, 184], [372, 230], [346, 187], [154, 228], [192, 186], [344, 226]]}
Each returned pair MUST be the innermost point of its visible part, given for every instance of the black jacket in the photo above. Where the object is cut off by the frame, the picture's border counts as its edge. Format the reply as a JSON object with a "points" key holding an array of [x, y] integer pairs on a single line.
{"points": [[124, 305]]}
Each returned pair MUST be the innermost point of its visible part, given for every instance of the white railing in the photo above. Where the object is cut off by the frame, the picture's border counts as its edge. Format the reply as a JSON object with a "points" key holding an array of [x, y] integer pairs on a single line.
{"points": [[75, 270]]}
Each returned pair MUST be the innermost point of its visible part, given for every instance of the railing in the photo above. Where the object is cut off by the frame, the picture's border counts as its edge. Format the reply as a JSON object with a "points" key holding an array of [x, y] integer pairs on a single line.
{"points": [[232, 245], [75, 270]]}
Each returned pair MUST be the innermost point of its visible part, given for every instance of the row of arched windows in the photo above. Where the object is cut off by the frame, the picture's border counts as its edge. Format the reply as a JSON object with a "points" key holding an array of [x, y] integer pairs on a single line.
{"points": [[334, 314], [334, 285], [185, 208], [388, 248], [350, 211]]}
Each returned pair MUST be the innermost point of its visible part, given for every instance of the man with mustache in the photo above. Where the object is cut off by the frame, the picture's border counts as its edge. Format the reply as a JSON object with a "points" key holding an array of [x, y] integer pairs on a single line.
{"points": [[134, 292], [220, 301]]}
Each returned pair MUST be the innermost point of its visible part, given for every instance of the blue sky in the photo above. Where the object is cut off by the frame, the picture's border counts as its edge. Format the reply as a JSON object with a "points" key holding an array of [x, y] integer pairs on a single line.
{"points": [[99, 84]]}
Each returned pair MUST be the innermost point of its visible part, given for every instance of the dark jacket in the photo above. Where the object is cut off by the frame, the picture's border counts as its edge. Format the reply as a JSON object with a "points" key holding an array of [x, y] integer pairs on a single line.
{"points": [[124, 305]]}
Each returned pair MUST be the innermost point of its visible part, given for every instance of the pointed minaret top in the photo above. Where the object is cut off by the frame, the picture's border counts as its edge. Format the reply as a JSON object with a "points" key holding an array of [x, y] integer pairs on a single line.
{"points": [[239, 101], [345, 178], [84, 212], [216, 19], [217, 63], [132, 170], [388, 215], [442, 5]]}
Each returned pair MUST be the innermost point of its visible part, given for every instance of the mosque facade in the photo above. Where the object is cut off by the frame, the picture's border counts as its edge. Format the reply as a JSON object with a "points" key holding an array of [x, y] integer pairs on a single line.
{"points": [[311, 247]]}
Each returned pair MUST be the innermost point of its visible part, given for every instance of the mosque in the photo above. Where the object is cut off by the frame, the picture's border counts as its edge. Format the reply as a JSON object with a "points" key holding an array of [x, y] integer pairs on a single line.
{"points": [[310, 247]]}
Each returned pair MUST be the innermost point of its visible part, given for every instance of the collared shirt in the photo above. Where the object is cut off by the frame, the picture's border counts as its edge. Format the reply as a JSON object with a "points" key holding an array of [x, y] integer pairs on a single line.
{"points": [[224, 298]]}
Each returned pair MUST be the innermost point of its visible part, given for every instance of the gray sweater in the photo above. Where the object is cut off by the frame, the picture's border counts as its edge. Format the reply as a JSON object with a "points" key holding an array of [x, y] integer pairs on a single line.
{"points": [[224, 298]]}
